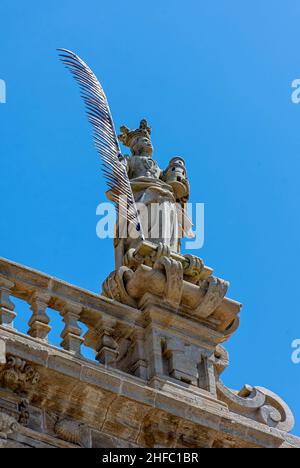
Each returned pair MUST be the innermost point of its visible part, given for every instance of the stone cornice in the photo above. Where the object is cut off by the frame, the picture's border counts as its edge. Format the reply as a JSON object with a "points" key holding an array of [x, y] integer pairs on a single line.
{"points": [[104, 392]]}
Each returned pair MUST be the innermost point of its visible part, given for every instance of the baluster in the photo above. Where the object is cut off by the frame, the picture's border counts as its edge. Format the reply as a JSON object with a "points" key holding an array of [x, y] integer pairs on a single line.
{"points": [[71, 334], [107, 347], [7, 307], [39, 321]]}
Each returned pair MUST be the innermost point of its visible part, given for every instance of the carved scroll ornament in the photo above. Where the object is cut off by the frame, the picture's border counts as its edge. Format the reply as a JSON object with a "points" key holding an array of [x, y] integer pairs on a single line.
{"points": [[259, 404]]}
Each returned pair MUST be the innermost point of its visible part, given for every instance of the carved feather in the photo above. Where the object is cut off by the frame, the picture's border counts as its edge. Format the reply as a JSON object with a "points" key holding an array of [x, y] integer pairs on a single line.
{"points": [[105, 137]]}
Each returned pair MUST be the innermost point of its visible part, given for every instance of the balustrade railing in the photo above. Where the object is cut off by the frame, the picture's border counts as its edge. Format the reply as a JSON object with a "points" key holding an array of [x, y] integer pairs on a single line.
{"points": [[100, 316]]}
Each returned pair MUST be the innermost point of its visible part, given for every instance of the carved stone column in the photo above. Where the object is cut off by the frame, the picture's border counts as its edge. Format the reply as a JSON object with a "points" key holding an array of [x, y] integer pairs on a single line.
{"points": [[7, 307], [39, 321], [71, 334]]}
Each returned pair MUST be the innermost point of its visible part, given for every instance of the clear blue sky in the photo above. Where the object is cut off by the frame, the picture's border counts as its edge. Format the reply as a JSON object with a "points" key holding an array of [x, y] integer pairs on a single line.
{"points": [[214, 80]]}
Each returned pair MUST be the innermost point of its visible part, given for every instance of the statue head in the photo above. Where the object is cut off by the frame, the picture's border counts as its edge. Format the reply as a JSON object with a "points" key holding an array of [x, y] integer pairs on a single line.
{"points": [[139, 140]]}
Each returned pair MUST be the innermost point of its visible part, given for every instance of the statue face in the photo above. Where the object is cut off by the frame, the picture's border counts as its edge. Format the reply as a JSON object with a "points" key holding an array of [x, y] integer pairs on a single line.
{"points": [[142, 147]]}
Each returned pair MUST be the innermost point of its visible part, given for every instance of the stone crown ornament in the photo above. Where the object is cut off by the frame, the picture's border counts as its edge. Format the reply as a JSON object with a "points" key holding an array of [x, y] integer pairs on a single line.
{"points": [[128, 137]]}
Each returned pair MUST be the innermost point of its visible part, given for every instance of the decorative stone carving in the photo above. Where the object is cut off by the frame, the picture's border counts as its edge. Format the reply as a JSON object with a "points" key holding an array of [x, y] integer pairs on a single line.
{"points": [[259, 404], [70, 431], [147, 253], [214, 290], [221, 359], [167, 279], [18, 375], [275, 412], [23, 412], [114, 286], [174, 276], [193, 268], [8, 425]]}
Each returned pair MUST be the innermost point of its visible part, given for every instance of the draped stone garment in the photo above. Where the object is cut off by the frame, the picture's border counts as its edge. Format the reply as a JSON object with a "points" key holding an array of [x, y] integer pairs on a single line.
{"points": [[159, 212]]}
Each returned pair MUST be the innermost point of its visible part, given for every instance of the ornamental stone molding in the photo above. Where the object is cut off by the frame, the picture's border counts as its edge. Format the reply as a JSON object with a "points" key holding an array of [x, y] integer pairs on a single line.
{"points": [[214, 290], [18, 375], [173, 271], [114, 286], [259, 404], [172, 278]]}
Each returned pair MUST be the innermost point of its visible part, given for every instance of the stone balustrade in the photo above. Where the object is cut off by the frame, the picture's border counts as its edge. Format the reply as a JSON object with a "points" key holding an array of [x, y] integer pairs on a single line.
{"points": [[75, 305], [115, 325]]}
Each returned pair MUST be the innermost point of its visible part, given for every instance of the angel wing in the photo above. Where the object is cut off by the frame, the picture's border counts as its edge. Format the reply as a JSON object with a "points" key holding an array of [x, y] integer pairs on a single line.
{"points": [[105, 137]]}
